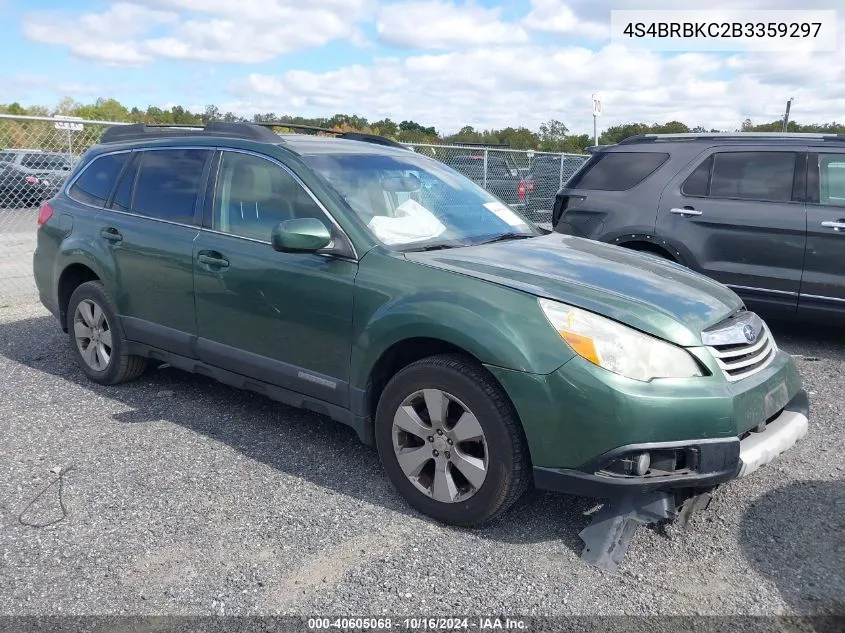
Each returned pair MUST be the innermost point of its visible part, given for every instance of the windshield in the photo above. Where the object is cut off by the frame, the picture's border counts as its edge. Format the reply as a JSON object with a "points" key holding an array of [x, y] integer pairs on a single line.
{"points": [[414, 200]]}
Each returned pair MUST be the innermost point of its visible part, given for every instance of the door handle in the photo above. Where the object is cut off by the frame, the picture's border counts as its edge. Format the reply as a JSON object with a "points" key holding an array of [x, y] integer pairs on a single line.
{"points": [[685, 211], [213, 259], [835, 225], [111, 234]]}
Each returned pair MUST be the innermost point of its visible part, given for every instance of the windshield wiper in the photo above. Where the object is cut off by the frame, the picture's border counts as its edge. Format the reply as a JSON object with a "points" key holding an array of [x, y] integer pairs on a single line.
{"points": [[433, 247], [507, 236]]}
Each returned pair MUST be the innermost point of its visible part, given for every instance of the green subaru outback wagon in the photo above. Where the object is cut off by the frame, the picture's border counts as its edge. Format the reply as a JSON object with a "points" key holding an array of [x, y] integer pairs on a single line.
{"points": [[357, 279]]}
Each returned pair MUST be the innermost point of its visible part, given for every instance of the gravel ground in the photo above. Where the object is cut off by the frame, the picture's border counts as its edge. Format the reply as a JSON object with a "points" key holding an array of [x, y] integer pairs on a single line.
{"points": [[188, 497]]}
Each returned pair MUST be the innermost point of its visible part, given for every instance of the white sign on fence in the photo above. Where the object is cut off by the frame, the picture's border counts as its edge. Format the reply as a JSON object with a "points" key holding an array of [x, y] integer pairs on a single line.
{"points": [[68, 123]]}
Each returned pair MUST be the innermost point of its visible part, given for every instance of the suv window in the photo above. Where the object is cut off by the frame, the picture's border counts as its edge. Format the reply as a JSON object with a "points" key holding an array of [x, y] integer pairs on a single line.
{"points": [[832, 179], [765, 176], [698, 182], [498, 169], [122, 200], [254, 194], [618, 171], [97, 180], [473, 166], [7, 157], [49, 162], [168, 184]]}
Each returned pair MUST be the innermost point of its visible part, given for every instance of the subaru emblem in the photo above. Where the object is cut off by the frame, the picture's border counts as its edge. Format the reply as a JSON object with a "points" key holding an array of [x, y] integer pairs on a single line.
{"points": [[749, 333]]}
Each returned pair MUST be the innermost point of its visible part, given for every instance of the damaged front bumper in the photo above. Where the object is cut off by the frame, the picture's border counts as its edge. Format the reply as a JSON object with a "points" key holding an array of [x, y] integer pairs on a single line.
{"points": [[685, 464], [663, 493]]}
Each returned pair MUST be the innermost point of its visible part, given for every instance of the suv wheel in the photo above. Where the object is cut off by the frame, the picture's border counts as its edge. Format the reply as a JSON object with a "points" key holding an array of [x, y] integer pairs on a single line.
{"points": [[97, 338], [450, 441]]}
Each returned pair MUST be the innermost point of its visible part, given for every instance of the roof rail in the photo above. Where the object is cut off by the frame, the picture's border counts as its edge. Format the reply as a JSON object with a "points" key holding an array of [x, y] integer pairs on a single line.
{"points": [[473, 144], [297, 126], [739, 136], [352, 136], [141, 131]]}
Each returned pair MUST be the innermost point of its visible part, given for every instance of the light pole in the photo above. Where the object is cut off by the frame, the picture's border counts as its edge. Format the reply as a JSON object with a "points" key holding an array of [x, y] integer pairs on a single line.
{"points": [[596, 114]]}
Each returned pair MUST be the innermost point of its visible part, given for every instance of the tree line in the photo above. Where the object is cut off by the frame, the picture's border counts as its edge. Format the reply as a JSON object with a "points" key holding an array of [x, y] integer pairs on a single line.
{"points": [[553, 135]]}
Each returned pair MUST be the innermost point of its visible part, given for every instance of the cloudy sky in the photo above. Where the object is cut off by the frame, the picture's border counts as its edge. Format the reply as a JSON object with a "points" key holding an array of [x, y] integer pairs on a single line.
{"points": [[440, 62]]}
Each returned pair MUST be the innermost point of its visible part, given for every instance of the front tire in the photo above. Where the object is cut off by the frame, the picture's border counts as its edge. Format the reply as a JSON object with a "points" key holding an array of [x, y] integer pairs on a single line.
{"points": [[96, 337], [451, 442]]}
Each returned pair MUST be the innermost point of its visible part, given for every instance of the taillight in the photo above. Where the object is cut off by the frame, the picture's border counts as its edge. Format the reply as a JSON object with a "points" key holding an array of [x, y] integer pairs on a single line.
{"points": [[32, 180], [521, 190], [44, 213]]}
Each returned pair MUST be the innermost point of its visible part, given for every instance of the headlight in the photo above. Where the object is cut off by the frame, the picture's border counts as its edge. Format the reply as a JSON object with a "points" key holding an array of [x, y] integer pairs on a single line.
{"points": [[618, 348]]}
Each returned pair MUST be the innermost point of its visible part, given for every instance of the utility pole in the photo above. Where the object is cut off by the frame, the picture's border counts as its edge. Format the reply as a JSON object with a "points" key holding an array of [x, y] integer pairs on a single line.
{"points": [[786, 116]]}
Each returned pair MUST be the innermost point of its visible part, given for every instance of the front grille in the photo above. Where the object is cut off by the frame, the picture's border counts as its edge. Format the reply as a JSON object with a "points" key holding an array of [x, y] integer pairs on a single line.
{"points": [[738, 361]]}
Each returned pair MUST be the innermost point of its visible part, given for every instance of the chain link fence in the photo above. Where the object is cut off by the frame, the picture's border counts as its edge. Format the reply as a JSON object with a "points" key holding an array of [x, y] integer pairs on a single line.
{"points": [[36, 156], [38, 153], [525, 180]]}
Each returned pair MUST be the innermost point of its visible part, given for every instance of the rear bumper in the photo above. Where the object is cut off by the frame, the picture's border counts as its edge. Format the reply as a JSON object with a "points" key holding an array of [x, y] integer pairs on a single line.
{"points": [[718, 460], [567, 229]]}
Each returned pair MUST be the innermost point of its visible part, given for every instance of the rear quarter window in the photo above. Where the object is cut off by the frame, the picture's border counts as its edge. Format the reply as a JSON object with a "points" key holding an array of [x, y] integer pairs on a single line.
{"points": [[96, 181], [618, 171]]}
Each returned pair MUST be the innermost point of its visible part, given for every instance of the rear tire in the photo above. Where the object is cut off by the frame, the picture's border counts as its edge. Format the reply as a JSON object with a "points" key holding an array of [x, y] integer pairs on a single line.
{"points": [[451, 442], [96, 337]]}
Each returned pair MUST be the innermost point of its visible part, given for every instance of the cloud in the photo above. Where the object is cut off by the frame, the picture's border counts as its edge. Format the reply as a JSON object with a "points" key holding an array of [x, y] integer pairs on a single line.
{"points": [[247, 31], [555, 16], [529, 84], [438, 24], [110, 37], [449, 63]]}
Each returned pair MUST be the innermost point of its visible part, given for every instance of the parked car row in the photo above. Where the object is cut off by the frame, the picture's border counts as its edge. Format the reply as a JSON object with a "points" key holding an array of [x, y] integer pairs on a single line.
{"points": [[29, 176], [386, 290]]}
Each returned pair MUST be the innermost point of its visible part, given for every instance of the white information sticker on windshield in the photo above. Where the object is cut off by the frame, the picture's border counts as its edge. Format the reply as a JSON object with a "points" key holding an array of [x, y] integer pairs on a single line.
{"points": [[505, 213]]}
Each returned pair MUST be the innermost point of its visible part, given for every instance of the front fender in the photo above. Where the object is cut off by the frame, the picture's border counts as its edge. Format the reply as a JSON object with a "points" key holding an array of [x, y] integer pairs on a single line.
{"points": [[497, 325]]}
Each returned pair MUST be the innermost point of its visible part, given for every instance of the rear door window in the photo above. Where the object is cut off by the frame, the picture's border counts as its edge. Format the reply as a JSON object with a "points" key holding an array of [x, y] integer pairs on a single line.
{"points": [[618, 171], [169, 183], [762, 176], [832, 179], [97, 180]]}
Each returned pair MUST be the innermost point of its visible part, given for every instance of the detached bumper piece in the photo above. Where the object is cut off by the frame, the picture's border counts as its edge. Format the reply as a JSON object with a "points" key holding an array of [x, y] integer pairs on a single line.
{"points": [[607, 538]]}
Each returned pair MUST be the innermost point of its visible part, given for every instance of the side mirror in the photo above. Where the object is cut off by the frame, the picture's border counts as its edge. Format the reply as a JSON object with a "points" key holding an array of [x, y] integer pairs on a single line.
{"points": [[303, 235]]}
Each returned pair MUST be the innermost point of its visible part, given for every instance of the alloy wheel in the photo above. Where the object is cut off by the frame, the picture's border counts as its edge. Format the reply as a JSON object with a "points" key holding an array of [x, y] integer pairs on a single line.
{"points": [[93, 335], [440, 445]]}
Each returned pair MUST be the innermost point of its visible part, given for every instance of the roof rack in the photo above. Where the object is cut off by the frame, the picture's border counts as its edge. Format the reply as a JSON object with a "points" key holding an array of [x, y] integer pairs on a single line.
{"points": [[738, 136], [251, 131], [139, 131], [352, 136]]}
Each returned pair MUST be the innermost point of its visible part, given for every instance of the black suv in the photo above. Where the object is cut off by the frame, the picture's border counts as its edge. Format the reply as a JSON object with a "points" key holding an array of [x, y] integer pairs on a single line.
{"points": [[763, 213]]}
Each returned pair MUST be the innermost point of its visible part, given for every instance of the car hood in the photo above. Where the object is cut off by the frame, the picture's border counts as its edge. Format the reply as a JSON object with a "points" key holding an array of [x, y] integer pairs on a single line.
{"points": [[653, 295]]}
